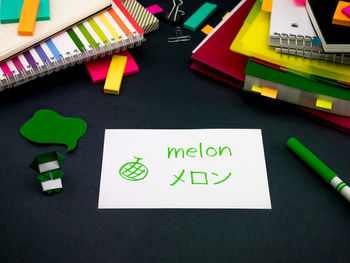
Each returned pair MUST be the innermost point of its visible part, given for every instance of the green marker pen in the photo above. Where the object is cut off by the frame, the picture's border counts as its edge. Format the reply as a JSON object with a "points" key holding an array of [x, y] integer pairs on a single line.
{"points": [[327, 174]]}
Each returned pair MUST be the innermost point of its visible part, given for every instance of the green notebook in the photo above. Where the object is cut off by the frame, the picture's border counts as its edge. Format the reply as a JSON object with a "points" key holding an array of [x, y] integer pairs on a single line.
{"points": [[10, 11], [296, 81]]}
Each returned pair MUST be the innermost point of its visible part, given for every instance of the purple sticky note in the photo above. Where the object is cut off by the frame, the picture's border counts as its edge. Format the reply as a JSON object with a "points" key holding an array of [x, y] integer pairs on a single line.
{"points": [[346, 11], [154, 9]]}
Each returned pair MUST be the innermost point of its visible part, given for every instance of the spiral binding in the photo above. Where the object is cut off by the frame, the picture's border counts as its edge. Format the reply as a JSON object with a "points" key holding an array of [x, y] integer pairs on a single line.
{"points": [[302, 46], [49, 67]]}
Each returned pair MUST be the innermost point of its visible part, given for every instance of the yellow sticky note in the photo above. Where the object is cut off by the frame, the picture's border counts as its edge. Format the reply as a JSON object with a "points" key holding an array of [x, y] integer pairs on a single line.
{"points": [[115, 75], [271, 93], [339, 18], [256, 89], [267, 6], [207, 29], [28, 17], [323, 104], [225, 15]]}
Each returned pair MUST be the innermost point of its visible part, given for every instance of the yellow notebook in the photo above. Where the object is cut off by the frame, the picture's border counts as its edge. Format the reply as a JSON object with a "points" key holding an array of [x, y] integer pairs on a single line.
{"points": [[253, 38]]}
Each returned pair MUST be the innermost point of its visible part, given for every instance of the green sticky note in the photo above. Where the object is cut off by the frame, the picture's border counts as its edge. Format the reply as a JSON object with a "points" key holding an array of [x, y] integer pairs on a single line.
{"points": [[47, 126], [10, 11], [202, 14]]}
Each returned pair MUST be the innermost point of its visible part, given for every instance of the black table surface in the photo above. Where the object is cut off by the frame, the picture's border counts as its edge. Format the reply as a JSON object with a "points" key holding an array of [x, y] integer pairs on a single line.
{"points": [[308, 222]]}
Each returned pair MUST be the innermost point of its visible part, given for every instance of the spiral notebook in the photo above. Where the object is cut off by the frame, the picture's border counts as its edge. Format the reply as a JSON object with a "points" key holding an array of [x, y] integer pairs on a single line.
{"points": [[290, 25], [291, 31], [63, 14], [110, 31]]}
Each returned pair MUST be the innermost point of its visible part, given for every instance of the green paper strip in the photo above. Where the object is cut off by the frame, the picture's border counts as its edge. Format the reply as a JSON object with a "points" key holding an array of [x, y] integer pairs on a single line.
{"points": [[296, 81], [76, 40], [98, 31], [87, 35]]}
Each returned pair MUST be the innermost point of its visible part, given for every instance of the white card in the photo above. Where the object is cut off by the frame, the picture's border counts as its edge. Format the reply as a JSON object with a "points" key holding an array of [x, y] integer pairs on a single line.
{"points": [[204, 168]]}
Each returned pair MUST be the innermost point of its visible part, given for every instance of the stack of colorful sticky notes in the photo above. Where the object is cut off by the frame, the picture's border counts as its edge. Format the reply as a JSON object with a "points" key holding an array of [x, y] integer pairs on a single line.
{"points": [[25, 13], [98, 68], [237, 52], [342, 14], [10, 11]]}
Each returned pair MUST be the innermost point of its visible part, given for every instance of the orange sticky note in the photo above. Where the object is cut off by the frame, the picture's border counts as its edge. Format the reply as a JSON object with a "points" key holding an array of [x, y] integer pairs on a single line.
{"points": [[28, 17], [266, 6], [207, 29], [339, 18], [271, 93], [115, 75]]}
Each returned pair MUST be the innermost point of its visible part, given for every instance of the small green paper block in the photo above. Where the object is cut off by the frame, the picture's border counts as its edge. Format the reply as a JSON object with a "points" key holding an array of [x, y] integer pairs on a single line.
{"points": [[202, 14], [10, 11]]}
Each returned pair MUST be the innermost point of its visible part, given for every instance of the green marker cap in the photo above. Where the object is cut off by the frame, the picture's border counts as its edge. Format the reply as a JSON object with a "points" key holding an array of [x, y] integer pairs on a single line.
{"points": [[309, 158]]}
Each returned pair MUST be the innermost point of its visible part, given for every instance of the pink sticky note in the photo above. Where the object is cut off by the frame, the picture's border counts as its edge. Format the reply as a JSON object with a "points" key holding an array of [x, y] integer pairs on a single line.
{"points": [[300, 1], [346, 11], [98, 68], [154, 9]]}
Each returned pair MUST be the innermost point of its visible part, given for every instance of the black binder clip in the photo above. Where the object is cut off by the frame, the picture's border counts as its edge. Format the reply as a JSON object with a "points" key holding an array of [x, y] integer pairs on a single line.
{"points": [[175, 15]]}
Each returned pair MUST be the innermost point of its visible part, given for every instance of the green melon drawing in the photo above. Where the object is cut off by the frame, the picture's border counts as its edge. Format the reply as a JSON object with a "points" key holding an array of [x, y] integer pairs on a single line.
{"points": [[133, 171]]}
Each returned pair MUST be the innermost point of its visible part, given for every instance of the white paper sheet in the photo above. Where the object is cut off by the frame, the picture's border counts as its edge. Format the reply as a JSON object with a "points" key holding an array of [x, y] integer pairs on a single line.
{"points": [[213, 168]]}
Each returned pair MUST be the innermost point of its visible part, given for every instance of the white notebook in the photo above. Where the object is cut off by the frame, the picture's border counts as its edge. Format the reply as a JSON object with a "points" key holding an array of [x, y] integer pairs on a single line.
{"points": [[290, 25], [292, 32], [63, 14]]}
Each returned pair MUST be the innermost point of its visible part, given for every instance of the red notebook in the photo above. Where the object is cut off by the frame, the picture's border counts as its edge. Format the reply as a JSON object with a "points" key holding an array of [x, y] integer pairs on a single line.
{"points": [[336, 121], [215, 52], [216, 74]]}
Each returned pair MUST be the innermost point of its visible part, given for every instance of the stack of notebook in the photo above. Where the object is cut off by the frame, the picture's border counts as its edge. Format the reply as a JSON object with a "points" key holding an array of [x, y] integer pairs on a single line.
{"points": [[110, 29], [242, 56], [308, 31]]}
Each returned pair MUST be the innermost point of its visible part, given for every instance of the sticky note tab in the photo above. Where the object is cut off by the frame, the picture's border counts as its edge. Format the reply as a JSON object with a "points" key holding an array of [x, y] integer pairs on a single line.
{"points": [[225, 15], [321, 103], [202, 14], [256, 89], [340, 18], [271, 93], [154, 9], [346, 11], [28, 17], [10, 11], [207, 29], [267, 6], [98, 68], [300, 1], [115, 74], [316, 41]]}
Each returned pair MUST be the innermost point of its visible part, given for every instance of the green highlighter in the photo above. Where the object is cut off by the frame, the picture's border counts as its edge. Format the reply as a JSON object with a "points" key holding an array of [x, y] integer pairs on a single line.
{"points": [[319, 167]]}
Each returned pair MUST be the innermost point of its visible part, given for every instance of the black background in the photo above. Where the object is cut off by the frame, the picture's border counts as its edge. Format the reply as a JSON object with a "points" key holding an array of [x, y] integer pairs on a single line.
{"points": [[309, 221]]}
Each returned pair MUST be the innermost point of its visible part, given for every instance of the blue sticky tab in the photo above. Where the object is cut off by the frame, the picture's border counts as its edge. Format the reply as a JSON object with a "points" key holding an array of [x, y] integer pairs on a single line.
{"points": [[202, 14], [316, 41]]}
